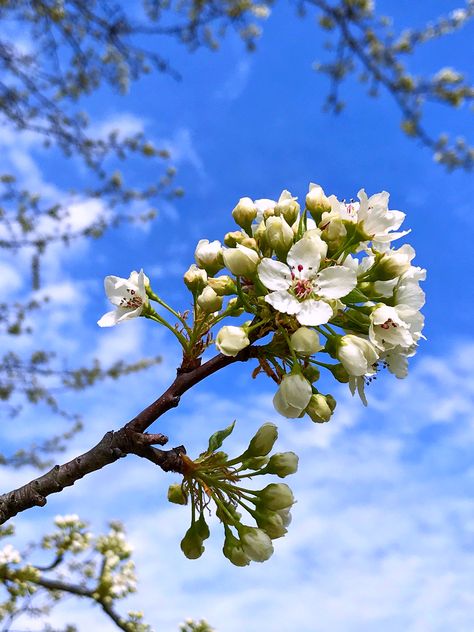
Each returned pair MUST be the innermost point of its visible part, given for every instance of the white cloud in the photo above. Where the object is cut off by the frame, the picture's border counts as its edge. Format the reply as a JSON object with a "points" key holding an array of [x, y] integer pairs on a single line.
{"points": [[237, 81], [382, 532]]}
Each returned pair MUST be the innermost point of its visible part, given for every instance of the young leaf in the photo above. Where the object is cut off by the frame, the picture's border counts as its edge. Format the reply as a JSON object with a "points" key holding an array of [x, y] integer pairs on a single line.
{"points": [[216, 440]]}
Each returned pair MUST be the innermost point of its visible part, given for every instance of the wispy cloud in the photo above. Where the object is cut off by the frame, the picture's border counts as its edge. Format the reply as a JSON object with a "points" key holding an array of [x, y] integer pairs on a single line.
{"points": [[382, 531], [236, 82]]}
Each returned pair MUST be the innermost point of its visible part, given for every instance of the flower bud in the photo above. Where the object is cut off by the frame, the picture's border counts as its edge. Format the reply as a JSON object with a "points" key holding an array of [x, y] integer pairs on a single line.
{"points": [[255, 543], [250, 242], [319, 409], [209, 301], [279, 236], [305, 341], [208, 255], [391, 265], [276, 496], [195, 278], [316, 202], [233, 550], [272, 523], [356, 354], [233, 238], [287, 207], [241, 261], [340, 373], [234, 307], [255, 463], [176, 494], [292, 396], [285, 516], [191, 544], [282, 464], [311, 373], [244, 214], [222, 285], [230, 340], [269, 212], [260, 236], [263, 440]]}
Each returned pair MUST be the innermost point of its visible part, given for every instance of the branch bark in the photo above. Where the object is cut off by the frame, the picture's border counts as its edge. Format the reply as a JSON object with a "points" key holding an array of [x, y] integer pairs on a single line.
{"points": [[129, 439]]}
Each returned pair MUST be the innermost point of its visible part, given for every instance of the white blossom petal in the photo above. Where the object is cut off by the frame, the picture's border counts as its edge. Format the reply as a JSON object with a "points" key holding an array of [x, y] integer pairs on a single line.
{"points": [[305, 256], [336, 281], [274, 275], [314, 313], [284, 302]]}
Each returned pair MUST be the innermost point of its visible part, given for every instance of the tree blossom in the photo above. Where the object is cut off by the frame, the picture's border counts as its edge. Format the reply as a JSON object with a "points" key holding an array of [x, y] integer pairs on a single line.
{"points": [[299, 288], [230, 340], [293, 395], [129, 296], [387, 329], [356, 354]]}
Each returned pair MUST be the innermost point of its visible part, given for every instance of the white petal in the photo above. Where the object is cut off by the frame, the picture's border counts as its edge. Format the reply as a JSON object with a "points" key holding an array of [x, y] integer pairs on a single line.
{"points": [[274, 275], [305, 256], [314, 313], [336, 281], [109, 319], [284, 302]]}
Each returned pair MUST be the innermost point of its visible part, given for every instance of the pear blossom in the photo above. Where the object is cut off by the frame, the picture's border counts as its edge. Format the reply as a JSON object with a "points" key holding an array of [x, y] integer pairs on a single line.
{"points": [[208, 255], [128, 295], [376, 220], [299, 288], [305, 341], [293, 395], [230, 340], [356, 354], [387, 328], [241, 260]]}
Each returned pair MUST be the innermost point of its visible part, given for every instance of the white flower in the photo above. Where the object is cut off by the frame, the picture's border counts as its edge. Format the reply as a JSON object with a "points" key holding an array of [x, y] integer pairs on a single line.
{"points": [[9, 555], [208, 255], [377, 221], [230, 340], [129, 295], [356, 354], [387, 328], [244, 213], [408, 293], [316, 200], [292, 396], [299, 288], [263, 205], [241, 261]]}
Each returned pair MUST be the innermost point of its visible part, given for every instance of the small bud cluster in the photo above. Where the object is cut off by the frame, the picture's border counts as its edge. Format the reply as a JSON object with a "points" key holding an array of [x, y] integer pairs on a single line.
{"points": [[215, 479], [100, 568]]}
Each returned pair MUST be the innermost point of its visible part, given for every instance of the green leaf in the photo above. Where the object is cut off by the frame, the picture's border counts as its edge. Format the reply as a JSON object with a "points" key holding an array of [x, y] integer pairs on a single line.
{"points": [[355, 296], [216, 440]]}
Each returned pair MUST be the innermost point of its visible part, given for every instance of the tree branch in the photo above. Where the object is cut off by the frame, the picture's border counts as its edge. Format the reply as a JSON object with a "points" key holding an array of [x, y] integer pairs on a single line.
{"points": [[130, 439]]}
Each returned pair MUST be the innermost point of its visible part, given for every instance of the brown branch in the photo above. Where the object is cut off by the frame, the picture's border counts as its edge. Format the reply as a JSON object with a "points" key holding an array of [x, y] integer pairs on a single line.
{"points": [[130, 439]]}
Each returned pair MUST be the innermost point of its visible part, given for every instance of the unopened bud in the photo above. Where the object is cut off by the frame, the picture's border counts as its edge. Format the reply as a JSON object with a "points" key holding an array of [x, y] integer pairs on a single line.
{"points": [[305, 341], [316, 202], [319, 409], [272, 523], [176, 494], [191, 544], [222, 285], [230, 340], [241, 261], [244, 214], [195, 278], [208, 255], [256, 544], [287, 207], [279, 236], [276, 496], [233, 550], [233, 238], [263, 440], [209, 301], [282, 464], [311, 373]]}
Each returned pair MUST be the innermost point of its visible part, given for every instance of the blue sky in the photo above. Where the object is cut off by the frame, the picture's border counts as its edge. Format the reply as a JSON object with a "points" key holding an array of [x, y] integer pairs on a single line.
{"points": [[383, 531]]}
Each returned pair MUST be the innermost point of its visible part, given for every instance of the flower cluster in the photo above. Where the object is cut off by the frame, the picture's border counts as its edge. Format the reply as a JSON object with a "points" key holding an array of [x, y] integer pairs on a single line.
{"points": [[215, 479], [325, 280]]}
